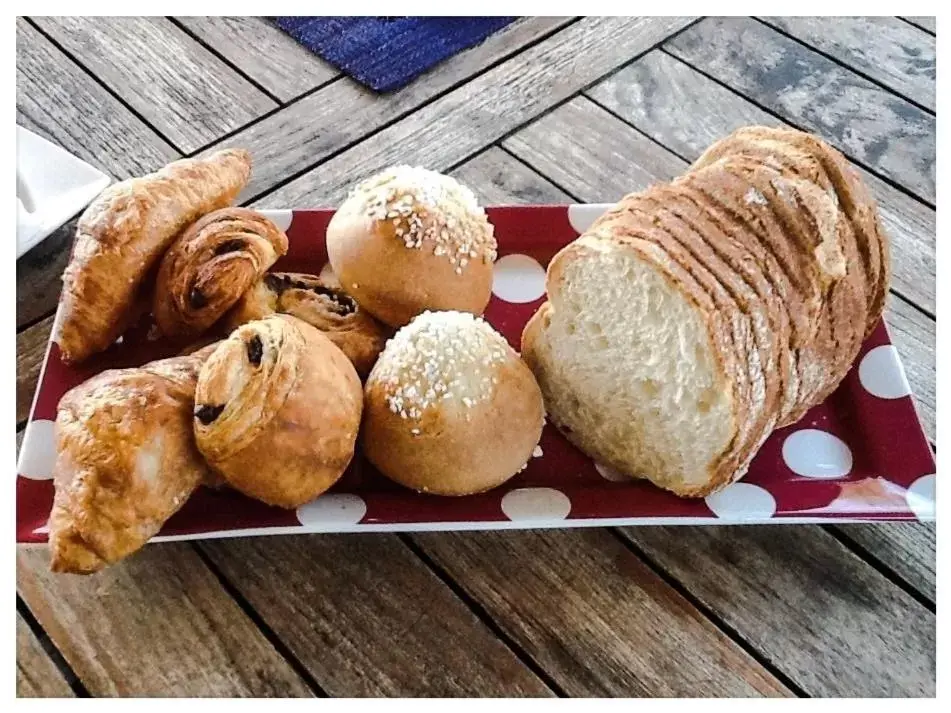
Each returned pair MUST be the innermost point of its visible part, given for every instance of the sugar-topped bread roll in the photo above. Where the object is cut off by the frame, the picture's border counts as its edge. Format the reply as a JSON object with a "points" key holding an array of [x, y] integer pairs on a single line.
{"points": [[277, 410], [450, 408], [410, 239]]}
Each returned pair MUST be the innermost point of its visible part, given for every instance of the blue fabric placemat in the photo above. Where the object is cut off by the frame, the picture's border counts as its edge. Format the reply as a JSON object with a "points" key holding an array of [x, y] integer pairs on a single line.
{"points": [[386, 53]]}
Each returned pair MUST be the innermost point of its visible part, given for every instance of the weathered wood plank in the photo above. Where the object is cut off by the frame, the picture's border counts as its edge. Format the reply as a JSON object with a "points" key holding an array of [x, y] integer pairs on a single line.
{"points": [[834, 624], [585, 140], [464, 121], [37, 675], [906, 548], [367, 618], [558, 145], [309, 130], [60, 102], [926, 23], [270, 57], [181, 88], [498, 179], [870, 124], [156, 624], [597, 619], [39, 275], [31, 348], [685, 111], [883, 48]]}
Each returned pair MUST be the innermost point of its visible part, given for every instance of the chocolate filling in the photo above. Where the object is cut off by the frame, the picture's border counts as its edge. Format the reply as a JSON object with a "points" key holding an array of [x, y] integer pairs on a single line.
{"points": [[343, 303], [255, 350], [197, 299], [206, 414], [230, 246]]}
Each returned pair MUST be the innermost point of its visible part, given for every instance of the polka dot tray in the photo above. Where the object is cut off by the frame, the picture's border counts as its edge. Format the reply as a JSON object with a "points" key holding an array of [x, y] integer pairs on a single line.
{"points": [[860, 456]]}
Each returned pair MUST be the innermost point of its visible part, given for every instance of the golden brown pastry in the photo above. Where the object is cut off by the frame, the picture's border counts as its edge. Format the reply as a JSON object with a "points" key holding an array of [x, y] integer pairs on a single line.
{"points": [[277, 410], [126, 461], [322, 304], [409, 239], [450, 407], [210, 266], [123, 233]]}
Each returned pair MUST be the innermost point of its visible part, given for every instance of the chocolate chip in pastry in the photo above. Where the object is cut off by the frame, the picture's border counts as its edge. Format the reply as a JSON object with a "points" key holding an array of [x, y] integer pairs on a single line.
{"points": [[320, 302], [277, 410], [210, 266], [126, 461], [123, 233]]}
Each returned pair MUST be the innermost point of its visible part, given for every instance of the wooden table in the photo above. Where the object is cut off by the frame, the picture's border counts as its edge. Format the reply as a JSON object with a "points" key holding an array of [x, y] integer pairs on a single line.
{"points": [[548, 110]]}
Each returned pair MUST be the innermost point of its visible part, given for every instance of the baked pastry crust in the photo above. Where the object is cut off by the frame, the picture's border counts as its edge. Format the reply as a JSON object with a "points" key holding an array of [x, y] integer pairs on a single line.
{"points": [[321, 303], [210, 266], [450, 408], [277, 410], [126, 461], [123, 233], [407, 240]]}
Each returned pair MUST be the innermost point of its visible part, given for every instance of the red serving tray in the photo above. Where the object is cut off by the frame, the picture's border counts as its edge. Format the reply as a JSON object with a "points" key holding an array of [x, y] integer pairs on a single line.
{"points": [[862, 455]]}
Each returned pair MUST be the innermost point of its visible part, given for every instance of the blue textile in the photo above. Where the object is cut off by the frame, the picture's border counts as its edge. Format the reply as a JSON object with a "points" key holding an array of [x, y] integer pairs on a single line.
{"points": [[386, 53]]}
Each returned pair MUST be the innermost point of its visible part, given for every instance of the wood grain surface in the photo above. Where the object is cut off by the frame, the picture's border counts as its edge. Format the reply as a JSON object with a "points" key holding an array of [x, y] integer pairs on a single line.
{"points": [[870, 124], [157, 623], [366, 618], [594, 616], [885, 49], [31, 350], [37, 675], [340, 114], [926, 23], [835, 625], [906, 548], [466, 120], [265, 54], [181, 88], [59, 101]]}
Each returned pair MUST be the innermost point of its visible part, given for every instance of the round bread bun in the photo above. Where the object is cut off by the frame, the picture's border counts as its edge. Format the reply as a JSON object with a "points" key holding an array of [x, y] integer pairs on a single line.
{"points": [[450, 408], [409, 239]]}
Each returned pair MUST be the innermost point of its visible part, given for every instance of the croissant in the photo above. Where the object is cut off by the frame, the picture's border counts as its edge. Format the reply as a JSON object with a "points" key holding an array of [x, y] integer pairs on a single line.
{"points": [[123, 233], [126, 461], [210, 266], [322, 304]]}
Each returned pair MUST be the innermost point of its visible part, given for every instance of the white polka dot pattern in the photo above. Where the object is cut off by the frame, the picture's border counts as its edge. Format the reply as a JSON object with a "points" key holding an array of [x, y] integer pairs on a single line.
{"points": [[581, 216], [921, 497], [281, 218], [38, 452], [812, 453], [42, 530], [742, 502], [327, 273], [518, 279], [882, 374], [535, 505], [609, 473], [332, 509]]}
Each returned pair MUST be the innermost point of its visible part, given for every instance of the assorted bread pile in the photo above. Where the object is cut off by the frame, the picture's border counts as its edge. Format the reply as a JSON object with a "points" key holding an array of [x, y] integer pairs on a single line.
{"points": [[683, 327]]}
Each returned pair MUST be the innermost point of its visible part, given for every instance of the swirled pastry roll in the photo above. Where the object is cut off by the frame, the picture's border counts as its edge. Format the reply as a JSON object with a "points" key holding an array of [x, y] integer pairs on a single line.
{"points": [[277, 410], [123, 233], [210, 266], [126, 461], [322, 304]]}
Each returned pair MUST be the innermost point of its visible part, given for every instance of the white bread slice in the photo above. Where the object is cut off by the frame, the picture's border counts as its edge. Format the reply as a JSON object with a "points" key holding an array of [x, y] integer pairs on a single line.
{"points": [[634, 366]]}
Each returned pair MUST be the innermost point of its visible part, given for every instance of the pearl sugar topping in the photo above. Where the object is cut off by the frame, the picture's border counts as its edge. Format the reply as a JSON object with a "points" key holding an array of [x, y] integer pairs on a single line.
{"points": [[440, 357], [429, 208]]}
